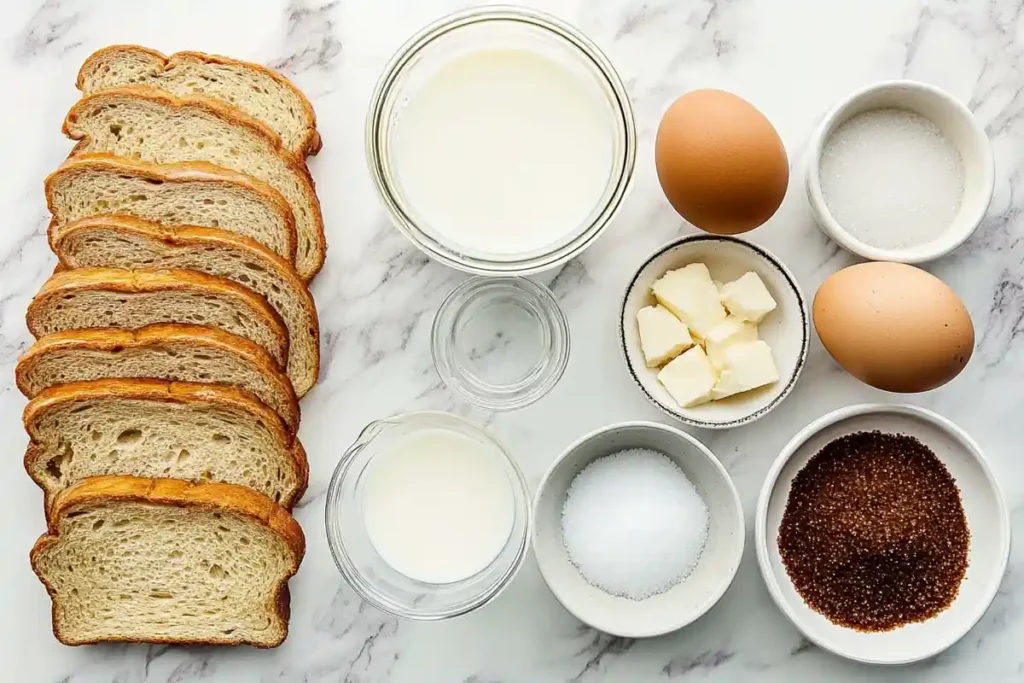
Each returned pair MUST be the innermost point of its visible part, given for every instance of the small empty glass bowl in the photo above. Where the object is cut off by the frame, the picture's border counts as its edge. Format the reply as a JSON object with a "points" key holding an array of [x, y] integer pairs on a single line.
{"points": [[500, 343], [369, 574]]}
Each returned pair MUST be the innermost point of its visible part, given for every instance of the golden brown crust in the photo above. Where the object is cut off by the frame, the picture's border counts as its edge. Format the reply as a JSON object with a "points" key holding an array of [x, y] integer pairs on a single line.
{"points": [[156, 280], [206, 496], [315, 144], [106, 339], [212, 497], [165, 392], [151, 390], [211, 107], [302, 461], [181, 236], [311, 143], [181, 172]]}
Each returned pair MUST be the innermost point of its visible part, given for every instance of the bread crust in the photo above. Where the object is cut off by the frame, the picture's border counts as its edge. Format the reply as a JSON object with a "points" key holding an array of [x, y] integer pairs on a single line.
{"points": [[312, 142], [211, 497], [213, 107], [165, 392], [106, 339], [182, 172], [186, 236], [156, 280]]}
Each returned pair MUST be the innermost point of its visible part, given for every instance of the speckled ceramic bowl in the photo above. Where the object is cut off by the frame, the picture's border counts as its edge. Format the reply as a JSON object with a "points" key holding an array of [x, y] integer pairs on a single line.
{"points": [[787, 329]]}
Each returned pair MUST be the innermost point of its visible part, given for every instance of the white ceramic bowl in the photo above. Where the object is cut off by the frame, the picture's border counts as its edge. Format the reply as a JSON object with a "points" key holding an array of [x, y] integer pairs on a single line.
{"points": [[987, 518], [955, 121], [676, 607], [787, 329]]}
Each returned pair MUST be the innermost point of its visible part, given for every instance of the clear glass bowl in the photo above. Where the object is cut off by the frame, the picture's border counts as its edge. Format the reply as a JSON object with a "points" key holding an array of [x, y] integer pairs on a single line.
{"points": [[497, 27], [500, 343], [369, 575]]}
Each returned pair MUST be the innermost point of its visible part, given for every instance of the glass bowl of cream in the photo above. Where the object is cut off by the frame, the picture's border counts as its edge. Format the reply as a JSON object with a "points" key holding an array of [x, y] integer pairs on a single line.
{"points": [[501, 141], [428, 517]]}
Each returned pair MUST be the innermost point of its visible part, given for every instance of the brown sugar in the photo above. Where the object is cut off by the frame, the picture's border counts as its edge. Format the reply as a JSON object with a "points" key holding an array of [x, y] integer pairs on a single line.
{"points": [[874, 534]]}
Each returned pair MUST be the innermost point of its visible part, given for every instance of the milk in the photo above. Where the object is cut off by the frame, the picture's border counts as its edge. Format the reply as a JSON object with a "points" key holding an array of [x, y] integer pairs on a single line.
{"points": [[438, 505], [504, 153]]}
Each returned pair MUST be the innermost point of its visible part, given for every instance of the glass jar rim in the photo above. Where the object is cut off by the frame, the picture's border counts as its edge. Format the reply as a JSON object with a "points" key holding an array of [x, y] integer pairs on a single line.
{"points": [[377, 127]]}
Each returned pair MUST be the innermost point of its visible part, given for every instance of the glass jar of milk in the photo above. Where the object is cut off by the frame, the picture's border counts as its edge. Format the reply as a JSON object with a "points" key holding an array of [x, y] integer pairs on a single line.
{"points": [[501, 141], [428, 517]]}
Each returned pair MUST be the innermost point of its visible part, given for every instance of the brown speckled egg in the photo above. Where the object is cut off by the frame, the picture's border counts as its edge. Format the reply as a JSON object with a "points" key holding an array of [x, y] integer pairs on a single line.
{"points": [[894, 326], [721, 163]]}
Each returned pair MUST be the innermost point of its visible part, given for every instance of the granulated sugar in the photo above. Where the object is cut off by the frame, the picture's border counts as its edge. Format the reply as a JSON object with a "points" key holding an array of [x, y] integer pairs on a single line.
{"points": [[633, 524], [891, 178]]}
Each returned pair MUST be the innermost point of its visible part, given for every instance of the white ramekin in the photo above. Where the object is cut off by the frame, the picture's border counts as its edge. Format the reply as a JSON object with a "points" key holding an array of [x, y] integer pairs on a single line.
{"points": [[955, 120]]}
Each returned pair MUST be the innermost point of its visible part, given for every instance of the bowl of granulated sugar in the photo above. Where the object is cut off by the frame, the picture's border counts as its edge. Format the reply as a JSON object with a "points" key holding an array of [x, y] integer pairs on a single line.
{"points": [[900, 171], [638, 529]]}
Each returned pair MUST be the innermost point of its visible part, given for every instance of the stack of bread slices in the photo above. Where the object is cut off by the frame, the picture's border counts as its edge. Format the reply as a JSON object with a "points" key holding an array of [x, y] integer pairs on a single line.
{"points": [[173, 342]]}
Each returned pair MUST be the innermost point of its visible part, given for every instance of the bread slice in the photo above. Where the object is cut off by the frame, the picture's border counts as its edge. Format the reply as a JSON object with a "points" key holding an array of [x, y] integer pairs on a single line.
{"points": [[149, 124], [260, 92], [85, 298], [167, 561], [176, 353], [151, 428], [125, 242], [186, 193]]}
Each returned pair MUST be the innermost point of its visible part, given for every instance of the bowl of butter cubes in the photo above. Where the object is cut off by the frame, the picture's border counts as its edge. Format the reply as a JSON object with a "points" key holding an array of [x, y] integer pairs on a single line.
{"points": [[715, 330]]}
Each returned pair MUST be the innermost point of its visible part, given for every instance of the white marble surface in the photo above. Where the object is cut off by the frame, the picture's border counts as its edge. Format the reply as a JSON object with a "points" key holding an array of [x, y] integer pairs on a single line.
{"points": [[791, 58]]}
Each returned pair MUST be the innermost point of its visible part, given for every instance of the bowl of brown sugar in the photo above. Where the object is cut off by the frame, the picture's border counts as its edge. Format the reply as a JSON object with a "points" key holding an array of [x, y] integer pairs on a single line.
{"points": [[882, 533]]}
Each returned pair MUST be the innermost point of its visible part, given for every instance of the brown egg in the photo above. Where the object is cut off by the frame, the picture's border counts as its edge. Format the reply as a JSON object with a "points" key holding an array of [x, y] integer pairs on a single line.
{"points": [[894, 326], [720, 162]]}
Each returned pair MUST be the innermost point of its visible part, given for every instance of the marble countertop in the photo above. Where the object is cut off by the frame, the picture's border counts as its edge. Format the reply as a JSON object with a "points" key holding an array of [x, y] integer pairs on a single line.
{"points": [[791, 58]]}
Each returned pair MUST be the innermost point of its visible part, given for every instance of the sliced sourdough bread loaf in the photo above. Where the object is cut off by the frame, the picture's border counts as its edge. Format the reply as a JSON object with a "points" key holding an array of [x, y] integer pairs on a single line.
{"points": [[258, 91], [175, 353], [186, 193], [167, 561], [151, 428], [149, 124], [86, 298], [124, 242]]}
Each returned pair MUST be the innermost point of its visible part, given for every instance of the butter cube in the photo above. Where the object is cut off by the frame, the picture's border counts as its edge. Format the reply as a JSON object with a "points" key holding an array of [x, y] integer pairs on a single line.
{"points": [[691, 295], [662, 335], [689, 378], [745, 366], [730, 331], [748, 298]]}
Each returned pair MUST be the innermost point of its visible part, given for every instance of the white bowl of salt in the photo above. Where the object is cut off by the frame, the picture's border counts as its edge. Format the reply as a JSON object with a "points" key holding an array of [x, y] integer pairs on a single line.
{"points": [[638, 529], [900, 171]]}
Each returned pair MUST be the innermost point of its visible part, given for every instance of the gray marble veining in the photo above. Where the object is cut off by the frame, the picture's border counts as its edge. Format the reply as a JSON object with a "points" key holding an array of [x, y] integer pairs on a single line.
{"points": [[377, 295]]}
